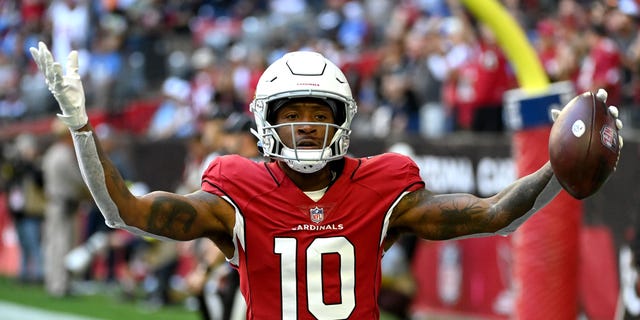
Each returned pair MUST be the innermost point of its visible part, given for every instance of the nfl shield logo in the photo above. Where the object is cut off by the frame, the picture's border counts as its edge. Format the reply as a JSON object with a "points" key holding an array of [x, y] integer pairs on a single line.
{"points": [[609, 138], [317, 214]]}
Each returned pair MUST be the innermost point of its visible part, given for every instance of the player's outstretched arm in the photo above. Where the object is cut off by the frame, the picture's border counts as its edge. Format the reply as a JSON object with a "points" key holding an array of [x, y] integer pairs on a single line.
{"points": [[447, 216], [160, 214], [450, 216]]}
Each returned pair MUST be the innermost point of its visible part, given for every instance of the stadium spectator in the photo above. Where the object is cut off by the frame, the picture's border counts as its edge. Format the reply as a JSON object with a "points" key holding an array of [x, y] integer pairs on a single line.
{"points": [[602, 66], [26, 202], [65, 192], [174, 118]]}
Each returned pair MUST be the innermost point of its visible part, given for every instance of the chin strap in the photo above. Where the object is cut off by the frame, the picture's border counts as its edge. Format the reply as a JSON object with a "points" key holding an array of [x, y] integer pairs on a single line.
{"points": [[305, 161], [93, 176]]}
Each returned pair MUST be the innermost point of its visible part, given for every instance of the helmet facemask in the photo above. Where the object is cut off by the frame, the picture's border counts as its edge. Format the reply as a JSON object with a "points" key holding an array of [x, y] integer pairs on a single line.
{"points": [[303, 75], [306, 160]]}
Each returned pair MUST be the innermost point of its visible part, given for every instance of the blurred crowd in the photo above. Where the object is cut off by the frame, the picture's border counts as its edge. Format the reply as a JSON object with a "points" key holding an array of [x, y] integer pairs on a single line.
{"points": [[417, 67], [423, 67], [64, 243]]}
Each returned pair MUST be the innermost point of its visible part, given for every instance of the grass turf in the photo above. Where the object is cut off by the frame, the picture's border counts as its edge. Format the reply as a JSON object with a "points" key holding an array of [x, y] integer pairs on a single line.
{"points": [[102, 305]]}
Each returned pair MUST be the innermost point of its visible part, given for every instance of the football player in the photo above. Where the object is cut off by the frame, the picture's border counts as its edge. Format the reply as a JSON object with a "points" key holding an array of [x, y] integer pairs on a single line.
{"points": [[306, 230]]}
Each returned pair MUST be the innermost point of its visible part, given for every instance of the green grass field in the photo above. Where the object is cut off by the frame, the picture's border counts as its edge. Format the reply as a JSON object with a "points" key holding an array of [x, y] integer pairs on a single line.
{"points": [[101, 305]]}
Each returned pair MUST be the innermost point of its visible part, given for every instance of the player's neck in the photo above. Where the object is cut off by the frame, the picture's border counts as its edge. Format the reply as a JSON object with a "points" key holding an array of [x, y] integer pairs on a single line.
{"points": [[309, 181]]}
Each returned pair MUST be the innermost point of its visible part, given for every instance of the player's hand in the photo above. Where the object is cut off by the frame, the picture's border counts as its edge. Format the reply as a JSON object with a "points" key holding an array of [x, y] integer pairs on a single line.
{"points": [[602, 95], [66, 88]]}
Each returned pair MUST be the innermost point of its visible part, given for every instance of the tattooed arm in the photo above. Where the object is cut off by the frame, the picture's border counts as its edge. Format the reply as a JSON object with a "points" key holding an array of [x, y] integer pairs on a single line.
{"points": [[158, 213], [440, 217]]}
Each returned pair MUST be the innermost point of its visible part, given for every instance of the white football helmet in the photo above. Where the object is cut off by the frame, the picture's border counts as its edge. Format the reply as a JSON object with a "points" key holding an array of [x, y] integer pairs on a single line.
{"points": [[303, 74]]}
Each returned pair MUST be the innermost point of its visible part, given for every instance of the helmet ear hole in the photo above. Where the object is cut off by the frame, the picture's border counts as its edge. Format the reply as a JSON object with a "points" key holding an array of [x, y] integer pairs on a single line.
{"points": [[343, 144], [269, 144]]}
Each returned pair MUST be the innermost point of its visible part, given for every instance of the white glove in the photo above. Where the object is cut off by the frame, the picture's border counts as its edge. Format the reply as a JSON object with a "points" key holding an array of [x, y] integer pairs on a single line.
{"points": [[66, 88]]}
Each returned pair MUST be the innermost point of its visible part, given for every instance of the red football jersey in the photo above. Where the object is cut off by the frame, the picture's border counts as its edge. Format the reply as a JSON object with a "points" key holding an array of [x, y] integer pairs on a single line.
{"points": [[300, 259]]}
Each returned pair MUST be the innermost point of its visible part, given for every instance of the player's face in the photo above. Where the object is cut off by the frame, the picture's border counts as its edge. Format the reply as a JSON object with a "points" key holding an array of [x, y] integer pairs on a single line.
{"points": [[305, 136]]}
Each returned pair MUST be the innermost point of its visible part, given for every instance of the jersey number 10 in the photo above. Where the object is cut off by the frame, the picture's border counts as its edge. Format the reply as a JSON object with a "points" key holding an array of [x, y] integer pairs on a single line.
{"points": [[287, 249]]}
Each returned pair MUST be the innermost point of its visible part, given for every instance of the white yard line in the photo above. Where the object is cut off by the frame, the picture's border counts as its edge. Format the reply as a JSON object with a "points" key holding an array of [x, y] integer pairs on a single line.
{"points": [[13, 311]]}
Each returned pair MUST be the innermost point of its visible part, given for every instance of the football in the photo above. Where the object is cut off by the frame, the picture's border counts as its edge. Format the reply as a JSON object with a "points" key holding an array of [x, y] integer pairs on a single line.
{"points": [[583, 145]]}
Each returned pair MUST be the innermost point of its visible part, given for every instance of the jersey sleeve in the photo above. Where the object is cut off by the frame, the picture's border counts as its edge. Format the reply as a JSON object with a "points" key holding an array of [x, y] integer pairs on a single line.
{"points": [[407, 171], [236, 177], [215, 178], [393, 172], [212, 181]]}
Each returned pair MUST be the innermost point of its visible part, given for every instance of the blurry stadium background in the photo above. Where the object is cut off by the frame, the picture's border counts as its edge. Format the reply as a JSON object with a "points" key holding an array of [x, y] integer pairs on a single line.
{"points": [[429, 81]]}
